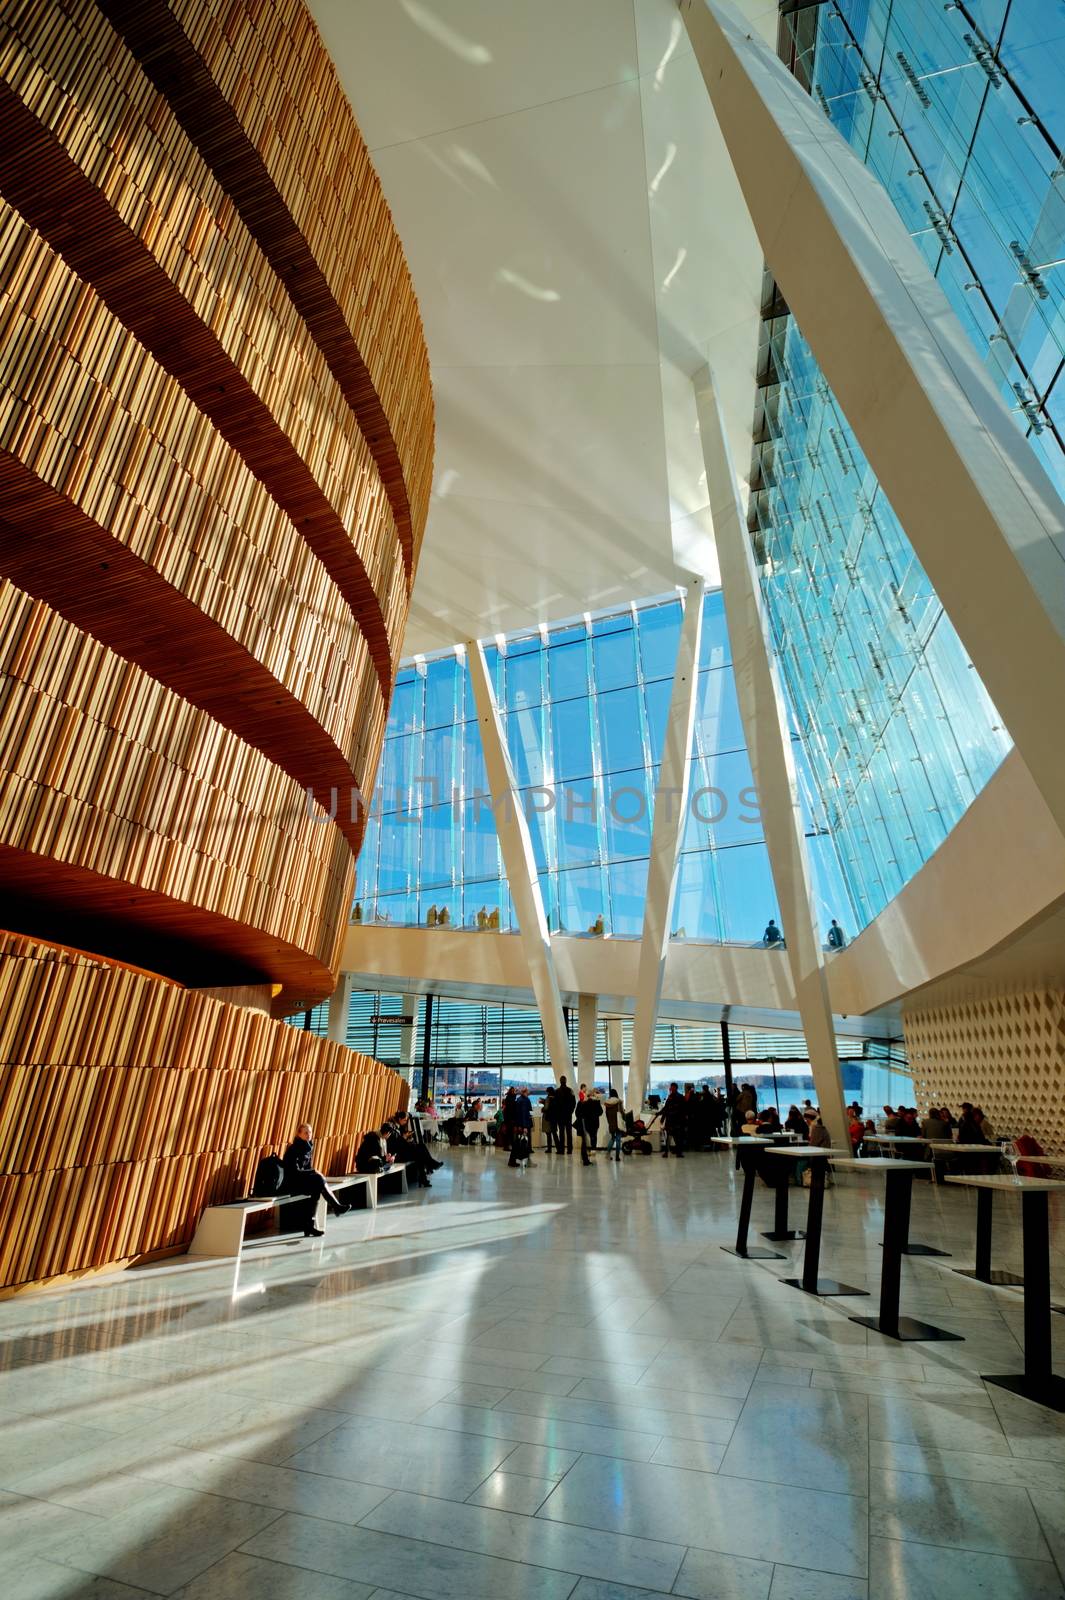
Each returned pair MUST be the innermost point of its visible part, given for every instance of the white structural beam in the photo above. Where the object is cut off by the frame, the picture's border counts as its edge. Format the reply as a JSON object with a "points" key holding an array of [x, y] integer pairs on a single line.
{"points": [[765, 725], [587, 1026], [516, 844], [667, 832], [339, 1007], [981, 513], [408, 1036]]}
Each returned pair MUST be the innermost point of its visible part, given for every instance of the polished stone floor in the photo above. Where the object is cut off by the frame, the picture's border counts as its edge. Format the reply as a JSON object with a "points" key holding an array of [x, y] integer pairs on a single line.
{"points": [[531, 1387]]}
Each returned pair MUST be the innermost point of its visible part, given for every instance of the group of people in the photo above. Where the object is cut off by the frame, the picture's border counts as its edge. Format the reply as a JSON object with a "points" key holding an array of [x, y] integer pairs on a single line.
{"points": [[564, 1114], [397, 1140]]}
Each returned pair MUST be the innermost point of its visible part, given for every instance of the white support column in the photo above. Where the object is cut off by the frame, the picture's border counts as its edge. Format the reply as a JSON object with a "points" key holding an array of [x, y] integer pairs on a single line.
{"points": [[516, 844], [615, 1043], [587, 1026], [671, 804], [980, 511], [765, 724], [339, 1006], [408, 1041]]}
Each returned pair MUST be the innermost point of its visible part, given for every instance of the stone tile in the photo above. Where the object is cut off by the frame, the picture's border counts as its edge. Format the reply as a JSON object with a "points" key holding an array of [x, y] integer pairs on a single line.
{"points": [[811, 1436], [244, 1577], [740, 1518], [509, 1491], [944, 1426], [164, 1540], [602, 1366], [964, 1514], [44, 1580], [530, 1429], [33, 1444], [405, 1456], [688, 1403], [644, 1563], [707, 1575], [262, 1431], [433, 1572], [33, 1528], [1029, 1474], [540, 1461], [698, 1454], [647, 1417], [933, 1572], [799, 1583]]}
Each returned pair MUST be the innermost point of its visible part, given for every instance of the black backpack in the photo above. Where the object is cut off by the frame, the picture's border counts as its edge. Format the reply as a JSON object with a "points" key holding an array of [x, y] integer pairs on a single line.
{"points": [[269, 1177]]}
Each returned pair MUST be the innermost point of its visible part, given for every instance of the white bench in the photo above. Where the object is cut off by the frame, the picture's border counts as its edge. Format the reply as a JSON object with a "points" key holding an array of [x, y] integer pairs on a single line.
{"points": [[220, 1230]]}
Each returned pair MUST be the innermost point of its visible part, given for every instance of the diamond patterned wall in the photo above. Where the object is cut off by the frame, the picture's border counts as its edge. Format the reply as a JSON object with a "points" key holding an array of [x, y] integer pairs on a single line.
{"points": [[1004, 1052]]}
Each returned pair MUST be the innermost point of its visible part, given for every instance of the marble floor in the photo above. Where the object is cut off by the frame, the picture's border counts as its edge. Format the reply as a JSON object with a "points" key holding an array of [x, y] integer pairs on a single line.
{"points": [[542, 1386]]}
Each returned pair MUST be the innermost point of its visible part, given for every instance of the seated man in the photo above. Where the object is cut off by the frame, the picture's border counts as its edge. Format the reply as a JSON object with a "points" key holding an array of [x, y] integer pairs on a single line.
{"points": [[301, 1178], [401, 1145], [372, 1154]]}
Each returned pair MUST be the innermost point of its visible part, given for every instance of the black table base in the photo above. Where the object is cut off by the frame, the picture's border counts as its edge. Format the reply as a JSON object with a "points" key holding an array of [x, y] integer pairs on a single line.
{"points": [[908, 1328], [748, 1161], [1049, 1392], [822, 1286], [898, 1187], [810, 1283], [983, 1272], [922, 1250], [781, 1232], [1038, 1381]]}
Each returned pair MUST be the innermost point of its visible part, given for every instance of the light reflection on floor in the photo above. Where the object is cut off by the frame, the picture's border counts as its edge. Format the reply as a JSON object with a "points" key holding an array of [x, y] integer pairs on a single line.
{"points": [[530, 1386]]}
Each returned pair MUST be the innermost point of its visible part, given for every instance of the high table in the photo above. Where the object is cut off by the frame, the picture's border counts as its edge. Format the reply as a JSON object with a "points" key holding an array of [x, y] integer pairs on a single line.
{"points": [[898, 1176], [1038, 1381], [818, 1158], [747, 1149], [926, 1167], [781, 1231], [983, 1271]]}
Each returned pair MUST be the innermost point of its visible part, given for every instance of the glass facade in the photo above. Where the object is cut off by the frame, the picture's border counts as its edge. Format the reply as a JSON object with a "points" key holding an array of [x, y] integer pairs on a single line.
{"points": [[584, 709], [482, 1049], [957, 109]]}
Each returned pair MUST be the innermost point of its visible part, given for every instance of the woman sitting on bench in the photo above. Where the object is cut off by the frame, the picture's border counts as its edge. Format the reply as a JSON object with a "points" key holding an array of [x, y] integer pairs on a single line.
{"points": [[301, 1178]]}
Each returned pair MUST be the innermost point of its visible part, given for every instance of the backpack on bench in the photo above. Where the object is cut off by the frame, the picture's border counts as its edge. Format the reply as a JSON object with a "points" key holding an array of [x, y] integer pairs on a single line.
{"points": [[269, 1177]]}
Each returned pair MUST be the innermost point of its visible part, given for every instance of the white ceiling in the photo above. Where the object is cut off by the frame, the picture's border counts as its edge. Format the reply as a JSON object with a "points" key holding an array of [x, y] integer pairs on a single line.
{"points": [[579, 246]]}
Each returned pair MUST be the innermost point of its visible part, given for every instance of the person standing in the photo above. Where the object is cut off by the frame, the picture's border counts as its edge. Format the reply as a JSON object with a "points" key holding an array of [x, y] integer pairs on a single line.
{"points": [[521, 1145], [563, 1105], [674, 1118], [581, 1126], [613, 1110], [550, 1125], [593, 1111]]}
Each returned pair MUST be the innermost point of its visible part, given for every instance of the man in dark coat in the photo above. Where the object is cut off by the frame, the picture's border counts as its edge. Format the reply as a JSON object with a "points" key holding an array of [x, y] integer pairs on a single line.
{"points": [[563, 1105], [301, 1178], [674, 1120]]}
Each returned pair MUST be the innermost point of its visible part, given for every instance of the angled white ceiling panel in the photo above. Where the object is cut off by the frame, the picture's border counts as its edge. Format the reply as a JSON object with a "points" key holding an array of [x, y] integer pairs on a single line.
{"points": [[579, 247]]}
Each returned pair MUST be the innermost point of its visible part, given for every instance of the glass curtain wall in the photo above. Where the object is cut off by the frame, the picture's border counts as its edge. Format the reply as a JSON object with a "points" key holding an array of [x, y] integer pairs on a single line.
{"points": [[584, 709], [481, 1049], [957, 109]]}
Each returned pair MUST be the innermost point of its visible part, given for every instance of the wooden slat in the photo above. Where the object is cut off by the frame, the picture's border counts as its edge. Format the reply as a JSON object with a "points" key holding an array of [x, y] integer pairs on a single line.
{"points": [[100, 1163]]}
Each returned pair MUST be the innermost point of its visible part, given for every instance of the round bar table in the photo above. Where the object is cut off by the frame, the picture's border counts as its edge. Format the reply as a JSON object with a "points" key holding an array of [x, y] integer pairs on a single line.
{"points": [[747, 1149], [983, 1271], [898, 1184], [1038, 1382], [810, 1283]]}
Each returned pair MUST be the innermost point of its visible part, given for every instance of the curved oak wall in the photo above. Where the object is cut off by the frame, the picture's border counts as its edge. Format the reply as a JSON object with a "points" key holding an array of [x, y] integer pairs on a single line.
{"points": [[128, 1103], [216, 436]]}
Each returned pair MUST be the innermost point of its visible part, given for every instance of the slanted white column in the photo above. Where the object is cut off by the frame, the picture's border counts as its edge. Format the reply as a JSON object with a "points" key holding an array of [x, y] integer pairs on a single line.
{"points": [[587, 1024], [516, 844], [980, 511], [765, 724], [339, 1006], [671, 804]]}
